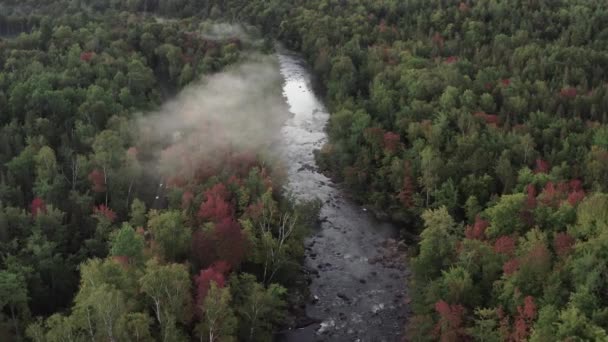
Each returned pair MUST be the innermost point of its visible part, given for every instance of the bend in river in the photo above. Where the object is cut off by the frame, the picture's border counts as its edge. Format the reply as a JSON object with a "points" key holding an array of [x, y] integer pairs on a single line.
{"points": [[358, 284]]}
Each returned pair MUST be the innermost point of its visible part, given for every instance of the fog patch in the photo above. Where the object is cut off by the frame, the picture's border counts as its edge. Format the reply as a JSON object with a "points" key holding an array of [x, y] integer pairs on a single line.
{"points": [[241, 109]]}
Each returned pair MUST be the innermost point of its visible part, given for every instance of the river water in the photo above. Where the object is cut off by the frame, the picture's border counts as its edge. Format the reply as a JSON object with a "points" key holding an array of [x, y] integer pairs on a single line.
{"points": [[358, 284]]}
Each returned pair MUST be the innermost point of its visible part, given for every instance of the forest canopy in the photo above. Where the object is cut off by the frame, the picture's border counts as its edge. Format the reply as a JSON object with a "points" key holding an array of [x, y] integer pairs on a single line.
{"points": [[115, 223], [480, 127]]}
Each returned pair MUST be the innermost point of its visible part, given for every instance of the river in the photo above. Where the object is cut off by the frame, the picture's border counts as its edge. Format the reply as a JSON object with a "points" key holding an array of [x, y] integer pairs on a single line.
{"points": [[358, 273]]}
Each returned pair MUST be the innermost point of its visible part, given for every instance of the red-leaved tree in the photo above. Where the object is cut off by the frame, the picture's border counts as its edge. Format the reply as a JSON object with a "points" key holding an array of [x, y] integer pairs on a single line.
{"points": [[106, 212], [187, 198], [478, 230], [562, 243], [225, 241], [438, 40], [575, 197], [97, 180], [87, 56], [37, 206], [255, 210], [550, 196], [490, 119], [525, 318], [531, 197], [406, 195], [568, 92], [374, 136], [215, 207], [451, 60], [510, 267], [450, 325], [242, 162], [542, 166], [230, 242], [215, 273], [505, 245], [575, 185], [391, 141]]}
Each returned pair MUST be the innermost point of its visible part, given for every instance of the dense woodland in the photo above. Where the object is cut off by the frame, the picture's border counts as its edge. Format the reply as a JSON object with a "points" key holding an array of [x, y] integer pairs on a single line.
{"points": [[479, 125], [90, 250]]}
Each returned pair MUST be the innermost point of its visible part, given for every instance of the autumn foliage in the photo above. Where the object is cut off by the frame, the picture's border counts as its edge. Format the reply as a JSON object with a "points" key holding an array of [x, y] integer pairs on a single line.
{"points": [[38, 206], [450, 324], [438, 39], [187, 198], [407, 191], [526, 314], [562, 243], [104, 211], [478, 230], [542, 166], [490, 119], [568, 92], [531, 197], [451, 60], [225, 241], [215, 207], [374, 136], [87, 56], [215, 273], [505, 245], [555, 195], [575, 197], [97, 180], [391, 141], [510, 267]]}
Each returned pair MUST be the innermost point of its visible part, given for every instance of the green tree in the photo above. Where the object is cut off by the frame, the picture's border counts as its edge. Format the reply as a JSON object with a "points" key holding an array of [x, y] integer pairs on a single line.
{"points": [[487, 326], [505, 216], [47, 176], [167, 288], [138, 214], [126, 242], [108, 154], [103, 309], [472, 208], [430, 164], [170, 234], [505, 172], [258, 308], [136, 327], [218, 322], [343, 77], [574, 325], [14, 298], [60, 328], [436, 245]]}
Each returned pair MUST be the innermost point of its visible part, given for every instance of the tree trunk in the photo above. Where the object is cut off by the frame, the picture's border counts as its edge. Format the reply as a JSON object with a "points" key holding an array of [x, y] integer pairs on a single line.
{"points": [[129, 193], [90, 325], [105, 182], [15, 323]]}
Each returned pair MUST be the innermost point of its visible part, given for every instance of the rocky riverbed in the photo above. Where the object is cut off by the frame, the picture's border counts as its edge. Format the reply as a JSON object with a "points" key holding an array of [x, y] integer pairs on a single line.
{"points": [[357, 269]]}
